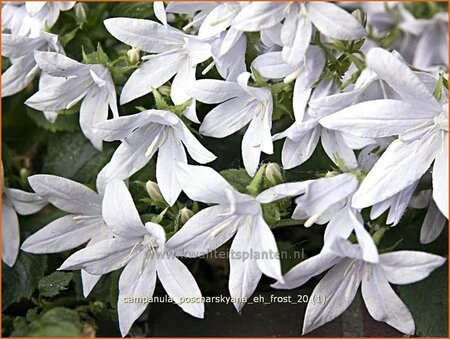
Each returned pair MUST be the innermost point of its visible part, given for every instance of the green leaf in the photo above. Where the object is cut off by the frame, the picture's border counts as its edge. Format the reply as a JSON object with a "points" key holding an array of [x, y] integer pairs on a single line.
{"points": [[140, 10], [63, 123], [21, 280], [57, 322], [54, 283], [427, 301], [66, 38], [238, 178], [71, 155]]}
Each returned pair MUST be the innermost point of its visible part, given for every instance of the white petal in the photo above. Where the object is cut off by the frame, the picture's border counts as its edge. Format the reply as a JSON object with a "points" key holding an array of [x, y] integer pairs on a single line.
{"points": [[440, 179], [305, 270], [336, 149], [271, 65], [295, 42], [244, 272], [94, 109], [324, 192], [65, 194], [102, 257], [263, 242], [433, 224], [182, 81], [204, 232], [338, 287], [180, 285], [212, 91], [10, 234], [154, 72], [195, 149], [295, 153], [259, 15], [119, 211], [218, 20], [334, 21], [282, 191], [406, 267], [59, 65], [138, 280], [377, 118], [170, 153], [401, 164], [387, 66], [24, 203], [145, 35], [202, 183], [228, 117], [62, 234], [18, 76], [384, 305], [160, 12]]}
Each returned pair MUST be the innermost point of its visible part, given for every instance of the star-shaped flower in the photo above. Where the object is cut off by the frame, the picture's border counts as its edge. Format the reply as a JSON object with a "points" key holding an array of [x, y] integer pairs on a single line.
{"points": [[348, 271], [240, 105], [83, 225], [141, 249], [67, 82], [143, 134], [419, 120]]}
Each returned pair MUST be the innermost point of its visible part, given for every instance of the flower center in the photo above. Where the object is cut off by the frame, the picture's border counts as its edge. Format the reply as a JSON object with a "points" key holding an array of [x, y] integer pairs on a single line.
{"points": [[441, 121]]}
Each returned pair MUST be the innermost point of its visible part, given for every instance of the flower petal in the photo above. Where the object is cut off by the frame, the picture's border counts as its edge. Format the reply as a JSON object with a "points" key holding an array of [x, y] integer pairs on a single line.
{"points": [[384, 305], [180, 285], [10, 234], [433, 224], [244, 272], [138, 280], [440, 178], [24, 203], [407, 267], [259, 15], [67, 195]]}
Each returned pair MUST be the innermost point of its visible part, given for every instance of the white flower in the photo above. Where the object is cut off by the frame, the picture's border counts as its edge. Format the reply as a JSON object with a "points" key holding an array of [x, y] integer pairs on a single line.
{"points": [[20, 51], [431, 49], [31, 17], [299, 18], [197, 10], [143, 134], [67, 82], [141, 249], [15, 201], [340, 284], [173, 53], [240, 105], [420, 121], [253, 250], [83, 225]]}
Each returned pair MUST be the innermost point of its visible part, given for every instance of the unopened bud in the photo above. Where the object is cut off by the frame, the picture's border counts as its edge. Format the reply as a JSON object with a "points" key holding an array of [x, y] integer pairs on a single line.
{"points": [[185, 215], [134, 55], [81, 10], [273, 174], [153, 191], [361, 16]]}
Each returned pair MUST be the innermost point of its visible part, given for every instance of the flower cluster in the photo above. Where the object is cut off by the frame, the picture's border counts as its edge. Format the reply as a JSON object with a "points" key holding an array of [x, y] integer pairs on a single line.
{"points": [[301, 72]]}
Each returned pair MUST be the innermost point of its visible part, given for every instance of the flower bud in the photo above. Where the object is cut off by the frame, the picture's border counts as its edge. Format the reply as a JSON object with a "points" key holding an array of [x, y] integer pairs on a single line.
{"points": [[134, 55], [273, 174], [81, 10], [361, 16], [153, 191], [185, 215]]}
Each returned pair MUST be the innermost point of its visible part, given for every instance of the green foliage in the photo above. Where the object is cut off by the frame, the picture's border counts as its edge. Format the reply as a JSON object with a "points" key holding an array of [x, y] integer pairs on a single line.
{"points": [[54, 283], [21, 280], [57, 322], [238, 178]]}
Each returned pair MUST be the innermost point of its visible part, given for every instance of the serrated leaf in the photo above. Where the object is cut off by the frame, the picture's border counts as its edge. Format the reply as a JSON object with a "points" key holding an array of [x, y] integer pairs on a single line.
{"points": [[238, 178], [54, 283], [71, 155], [63, 123], [57, 322], [21, 280]]}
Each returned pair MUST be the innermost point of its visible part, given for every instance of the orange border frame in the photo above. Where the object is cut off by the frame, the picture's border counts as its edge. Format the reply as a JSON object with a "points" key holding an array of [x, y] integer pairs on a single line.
{"points": [[448, 165]]}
